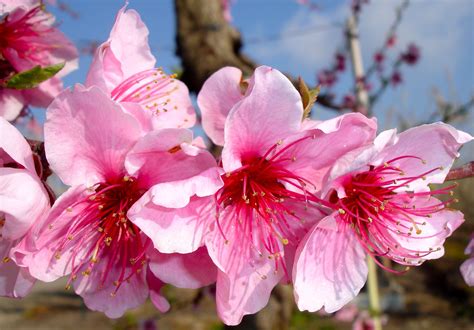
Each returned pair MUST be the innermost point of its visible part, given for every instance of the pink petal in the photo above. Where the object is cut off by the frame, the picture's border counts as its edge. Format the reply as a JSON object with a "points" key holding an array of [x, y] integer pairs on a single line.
{"points": [[9, 5], [105, 297], [173, 230], [328, 274], [38, 250], [190, 271], [178, 112], [125, 53], [167, 155], [330, 139], [15, 281], [433, 233], [467, 271], [155, 285], [436, 144], [358, 159], [14, 145], [23, 200], [87, 136], [271, 110], [245, 279], [11, 103], [217, 97]]}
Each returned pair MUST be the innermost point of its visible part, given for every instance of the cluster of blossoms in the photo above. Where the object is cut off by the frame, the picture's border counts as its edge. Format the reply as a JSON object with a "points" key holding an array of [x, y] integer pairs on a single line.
{"points": [[289, 200]]}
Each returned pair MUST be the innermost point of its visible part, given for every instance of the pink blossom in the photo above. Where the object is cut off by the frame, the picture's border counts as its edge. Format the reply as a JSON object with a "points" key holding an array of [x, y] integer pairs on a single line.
{"points": [[123, 67], [253, 221], [28, 38], [23, 200], [467, 268], [396, 78], [411, 55], [94, 145], [383, 207]]}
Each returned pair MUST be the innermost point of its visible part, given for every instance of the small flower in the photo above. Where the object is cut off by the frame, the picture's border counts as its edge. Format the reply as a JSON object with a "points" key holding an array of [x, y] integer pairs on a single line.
{"points": [[23, 201], [28, 38], [411, 55], [327, 78], [340, 62], [391, 41], [396, 78], [383, 208], [100, 150], [379, 57]]}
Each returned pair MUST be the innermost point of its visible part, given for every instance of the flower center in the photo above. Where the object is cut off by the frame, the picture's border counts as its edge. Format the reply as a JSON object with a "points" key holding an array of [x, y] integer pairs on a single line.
{"points": [[23, 32], [378, 207], [101, 232], [255, 198]]}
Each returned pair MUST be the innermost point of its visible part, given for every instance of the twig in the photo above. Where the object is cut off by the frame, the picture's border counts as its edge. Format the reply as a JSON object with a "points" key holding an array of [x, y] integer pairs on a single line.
{"points": [[462, 172]]}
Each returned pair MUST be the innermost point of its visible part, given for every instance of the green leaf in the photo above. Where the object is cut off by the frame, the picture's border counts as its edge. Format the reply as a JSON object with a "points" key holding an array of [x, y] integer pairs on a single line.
{"points": [[33, 77], [308, 96]]}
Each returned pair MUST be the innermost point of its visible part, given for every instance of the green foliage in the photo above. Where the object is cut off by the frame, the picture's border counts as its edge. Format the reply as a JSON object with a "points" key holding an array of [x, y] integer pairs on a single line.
{"points": [[33, 77]]}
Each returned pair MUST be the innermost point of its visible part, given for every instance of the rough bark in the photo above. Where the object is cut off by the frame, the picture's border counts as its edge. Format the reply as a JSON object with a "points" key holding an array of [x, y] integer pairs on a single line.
{"points": [[206, 42]]}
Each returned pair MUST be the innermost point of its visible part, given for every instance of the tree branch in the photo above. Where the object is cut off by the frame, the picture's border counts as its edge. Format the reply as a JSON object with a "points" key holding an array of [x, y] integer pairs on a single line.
{"points": [[206, 42], [462, 172]]}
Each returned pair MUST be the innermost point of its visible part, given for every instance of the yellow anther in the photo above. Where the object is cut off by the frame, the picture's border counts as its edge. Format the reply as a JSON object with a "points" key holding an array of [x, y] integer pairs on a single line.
{"points": [[69, 209], [284, 241], [108, 240], [279, 142], [341, 211], [6, 259]]}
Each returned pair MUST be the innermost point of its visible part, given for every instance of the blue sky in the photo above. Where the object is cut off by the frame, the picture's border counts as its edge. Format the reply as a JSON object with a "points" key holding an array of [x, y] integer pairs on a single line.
{"points": [[444, 29]]}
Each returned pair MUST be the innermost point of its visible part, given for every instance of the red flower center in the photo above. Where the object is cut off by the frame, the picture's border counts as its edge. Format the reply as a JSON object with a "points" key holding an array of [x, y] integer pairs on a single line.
{"points": [[255, 197], [102, 225], [22, 33], [378, 208]]}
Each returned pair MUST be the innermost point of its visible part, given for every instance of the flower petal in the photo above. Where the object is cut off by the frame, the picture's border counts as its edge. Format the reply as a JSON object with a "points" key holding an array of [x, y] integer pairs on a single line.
{"points": [[313, 157], [190, 271], [13, 146], [428, 241], [15, 281], [11, 103], [125, 53], [467, 271], [155, 285], [173, 230], [246, 278], [105, 297], [271, 110], [168, 155], [444, 142], [23, 199], [217, 97], [87, 136], [331, 274]]}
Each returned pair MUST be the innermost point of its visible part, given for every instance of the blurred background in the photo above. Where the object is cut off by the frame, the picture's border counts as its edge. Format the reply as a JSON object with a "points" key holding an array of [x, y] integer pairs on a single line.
{"points": [[418, 68]]}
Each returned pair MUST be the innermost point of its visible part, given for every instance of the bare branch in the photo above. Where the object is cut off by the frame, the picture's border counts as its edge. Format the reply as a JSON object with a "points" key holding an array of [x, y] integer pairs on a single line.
{"points": [[463, 172]]}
